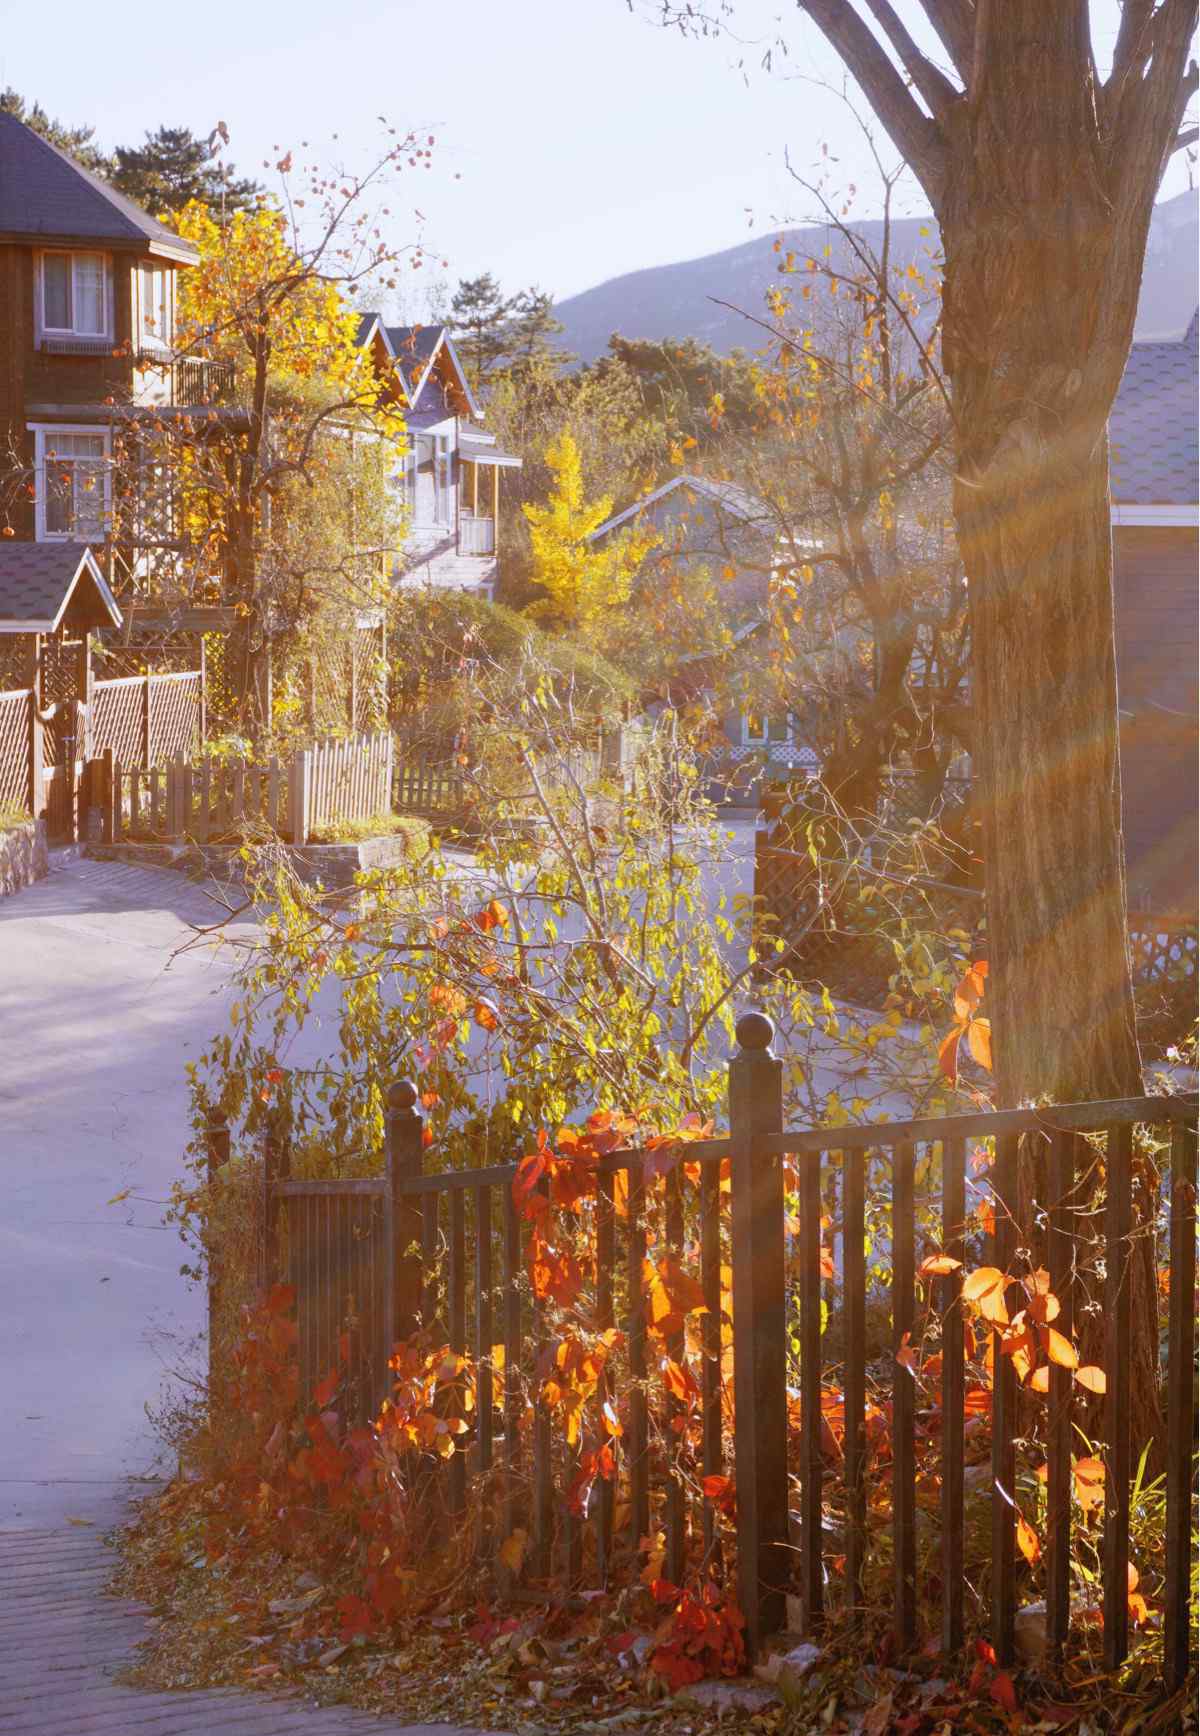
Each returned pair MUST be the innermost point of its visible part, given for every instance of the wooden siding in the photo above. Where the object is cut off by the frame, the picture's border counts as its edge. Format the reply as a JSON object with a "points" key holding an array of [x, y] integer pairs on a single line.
{"points": [[1158, 644]]}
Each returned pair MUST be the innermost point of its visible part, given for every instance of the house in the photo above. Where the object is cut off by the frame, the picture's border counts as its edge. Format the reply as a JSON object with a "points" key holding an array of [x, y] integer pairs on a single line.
{"points": [[87, 309], [450, 474], [729, 533], [1156, 553]]}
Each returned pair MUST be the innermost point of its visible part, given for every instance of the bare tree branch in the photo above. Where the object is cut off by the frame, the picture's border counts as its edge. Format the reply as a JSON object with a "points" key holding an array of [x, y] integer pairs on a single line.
{"points": [[954, 21], [933, 85], [918, 138]]}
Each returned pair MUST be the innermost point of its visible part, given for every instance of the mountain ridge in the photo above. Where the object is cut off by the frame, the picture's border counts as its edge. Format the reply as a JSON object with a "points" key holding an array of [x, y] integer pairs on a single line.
{"points": [[677, 300]]}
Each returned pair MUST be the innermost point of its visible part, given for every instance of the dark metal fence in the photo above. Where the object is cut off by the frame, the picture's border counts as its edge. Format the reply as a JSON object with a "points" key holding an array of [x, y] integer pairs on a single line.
{"points": [[376, 1258]]}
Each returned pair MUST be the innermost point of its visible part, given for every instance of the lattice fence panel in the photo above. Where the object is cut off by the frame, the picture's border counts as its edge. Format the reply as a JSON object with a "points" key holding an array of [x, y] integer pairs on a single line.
{"points": [[15, 723], [117, 719], [60, 671], [331, 675], [174, 716], [1162, 949], [370, 683], [15, 657]]}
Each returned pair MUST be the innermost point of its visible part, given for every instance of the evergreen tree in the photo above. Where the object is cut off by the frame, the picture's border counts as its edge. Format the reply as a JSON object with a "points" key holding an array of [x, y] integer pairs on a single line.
{"points": [[173, 168], [532, 329], [78, 142], [478, 323]]}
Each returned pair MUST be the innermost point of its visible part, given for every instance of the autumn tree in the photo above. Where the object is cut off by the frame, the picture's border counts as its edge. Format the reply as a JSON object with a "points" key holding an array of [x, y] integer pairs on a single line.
{"points": [[582, 580], [1042, 175], [173, 169]]}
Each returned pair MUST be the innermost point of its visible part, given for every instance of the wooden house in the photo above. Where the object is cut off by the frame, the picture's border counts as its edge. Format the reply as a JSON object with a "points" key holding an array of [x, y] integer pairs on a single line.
{"points": [[449, 476], [1156, 555]]}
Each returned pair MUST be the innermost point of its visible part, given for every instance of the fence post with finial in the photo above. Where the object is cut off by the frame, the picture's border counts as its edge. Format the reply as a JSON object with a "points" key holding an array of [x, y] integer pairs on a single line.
{"points": [[405, 1158], [759, 1330]]}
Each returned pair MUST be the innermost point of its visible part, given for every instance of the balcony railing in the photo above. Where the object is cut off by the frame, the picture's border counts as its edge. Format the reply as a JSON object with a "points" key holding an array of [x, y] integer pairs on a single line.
{"points": [[476, 536], [191, 379]]}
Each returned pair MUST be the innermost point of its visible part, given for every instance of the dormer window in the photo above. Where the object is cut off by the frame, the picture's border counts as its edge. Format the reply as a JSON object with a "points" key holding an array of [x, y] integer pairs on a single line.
{"points": [[75, 296]]}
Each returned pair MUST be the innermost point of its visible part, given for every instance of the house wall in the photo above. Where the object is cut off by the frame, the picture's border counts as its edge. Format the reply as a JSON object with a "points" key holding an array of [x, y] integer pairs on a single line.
{"points": [[1157, 608]]}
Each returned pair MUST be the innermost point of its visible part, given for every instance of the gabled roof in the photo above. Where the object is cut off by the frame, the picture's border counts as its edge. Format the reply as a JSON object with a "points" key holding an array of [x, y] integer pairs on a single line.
{"points": [[45, 195], [1153, 429], [414, 349], [730, 501], [39, 581]]}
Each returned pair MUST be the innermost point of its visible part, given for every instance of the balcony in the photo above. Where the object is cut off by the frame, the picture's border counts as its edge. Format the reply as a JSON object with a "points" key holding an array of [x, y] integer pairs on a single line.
{"points": [[195, 380], [476, 535]]}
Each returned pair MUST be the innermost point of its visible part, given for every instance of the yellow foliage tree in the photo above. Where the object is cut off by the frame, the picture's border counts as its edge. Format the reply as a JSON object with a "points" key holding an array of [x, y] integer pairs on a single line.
{"points": [[583, 581], [292, 494]]}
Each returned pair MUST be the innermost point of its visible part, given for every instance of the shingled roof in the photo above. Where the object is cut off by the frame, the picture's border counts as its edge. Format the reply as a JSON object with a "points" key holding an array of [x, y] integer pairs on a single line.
{"points": [[40, 582], [46, 195], [1152, 431]]}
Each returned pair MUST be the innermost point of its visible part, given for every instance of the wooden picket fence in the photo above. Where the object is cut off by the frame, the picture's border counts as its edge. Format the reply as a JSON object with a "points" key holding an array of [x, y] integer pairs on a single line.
{"points": [[349, 1249], [208, 801]]}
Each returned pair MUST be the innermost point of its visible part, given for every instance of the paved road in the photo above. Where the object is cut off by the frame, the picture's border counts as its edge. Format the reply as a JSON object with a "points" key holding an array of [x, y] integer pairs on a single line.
{"points": [[98, 1015]]}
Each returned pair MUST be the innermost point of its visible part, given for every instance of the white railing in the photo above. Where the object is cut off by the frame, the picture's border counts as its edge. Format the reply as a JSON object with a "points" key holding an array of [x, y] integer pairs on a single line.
{"points": [[476, 536]]}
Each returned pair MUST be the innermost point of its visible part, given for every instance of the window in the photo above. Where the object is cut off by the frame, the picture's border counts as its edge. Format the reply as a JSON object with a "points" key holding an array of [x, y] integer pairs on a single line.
{"points": [[433, 497], [76, 297], [759, 730], [72, 485], [155, 288]]}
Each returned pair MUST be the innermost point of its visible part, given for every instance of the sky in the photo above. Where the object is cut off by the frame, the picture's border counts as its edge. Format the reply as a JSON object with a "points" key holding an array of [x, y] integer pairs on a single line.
{"points": [[575, 139]]}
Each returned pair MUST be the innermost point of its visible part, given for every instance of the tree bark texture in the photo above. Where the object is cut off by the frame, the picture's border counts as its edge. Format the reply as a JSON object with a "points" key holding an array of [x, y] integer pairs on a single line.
{"points": [[1043, 181]]}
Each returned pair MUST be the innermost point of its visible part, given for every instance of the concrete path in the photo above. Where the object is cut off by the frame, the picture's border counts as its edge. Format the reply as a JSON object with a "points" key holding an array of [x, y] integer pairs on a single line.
{"points": [[62, 1641], [98, 1017]]}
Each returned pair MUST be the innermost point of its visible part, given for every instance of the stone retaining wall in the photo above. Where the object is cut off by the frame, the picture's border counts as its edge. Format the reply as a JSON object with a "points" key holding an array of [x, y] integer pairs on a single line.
{"points": [[23, 856], [334, 865]]}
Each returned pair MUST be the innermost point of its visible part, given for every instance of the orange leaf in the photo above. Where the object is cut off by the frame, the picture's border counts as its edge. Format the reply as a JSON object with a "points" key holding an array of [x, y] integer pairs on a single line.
{"points": [[948, 1054], [981, 1282], [1039, 1380], [1027, 1540], [1060, 1349], [485, 1016], [1092, 1378], [939, 1266], [979, 1041]]}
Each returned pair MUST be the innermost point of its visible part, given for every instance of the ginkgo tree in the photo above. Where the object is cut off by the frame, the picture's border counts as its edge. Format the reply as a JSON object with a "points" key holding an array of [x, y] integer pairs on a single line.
{"points": [[583, 580]]}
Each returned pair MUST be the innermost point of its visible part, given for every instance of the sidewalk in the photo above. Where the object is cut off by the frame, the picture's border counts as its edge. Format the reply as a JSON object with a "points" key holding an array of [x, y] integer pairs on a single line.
{"points": [[62, 1640]]}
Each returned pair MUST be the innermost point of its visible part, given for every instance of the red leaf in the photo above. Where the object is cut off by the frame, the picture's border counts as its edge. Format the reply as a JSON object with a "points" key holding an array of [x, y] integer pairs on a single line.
{"points": [[1003, 1692]]}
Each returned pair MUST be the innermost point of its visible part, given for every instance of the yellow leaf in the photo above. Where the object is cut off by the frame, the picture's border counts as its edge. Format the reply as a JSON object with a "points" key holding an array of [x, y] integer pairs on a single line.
{"points": [[1091, 1377], [1060, 1349], [1027, 1540], [939, 1266], [512, 1550]]}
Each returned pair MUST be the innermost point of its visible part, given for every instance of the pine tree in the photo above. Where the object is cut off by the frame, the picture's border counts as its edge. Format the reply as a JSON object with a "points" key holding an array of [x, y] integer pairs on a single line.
{"points": [[173, 168], [78, 142], [532, 329], [478, 322]]}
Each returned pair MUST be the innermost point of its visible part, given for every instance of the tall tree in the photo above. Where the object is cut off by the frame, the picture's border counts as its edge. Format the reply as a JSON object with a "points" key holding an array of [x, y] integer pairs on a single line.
{"points": [[78, 142], [478, 322], [1043, 177], [583, 581], [173, 169], [532, 330]]}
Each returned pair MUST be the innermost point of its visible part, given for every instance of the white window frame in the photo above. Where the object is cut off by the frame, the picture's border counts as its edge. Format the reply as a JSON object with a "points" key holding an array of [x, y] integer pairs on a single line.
{"points": [[764, 738], [44, 434], [43, 330], [162, 339]]}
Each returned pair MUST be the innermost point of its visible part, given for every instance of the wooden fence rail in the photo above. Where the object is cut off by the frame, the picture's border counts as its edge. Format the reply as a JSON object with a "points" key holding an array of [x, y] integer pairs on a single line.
{"points": [[209, 801], [378, 1257]]}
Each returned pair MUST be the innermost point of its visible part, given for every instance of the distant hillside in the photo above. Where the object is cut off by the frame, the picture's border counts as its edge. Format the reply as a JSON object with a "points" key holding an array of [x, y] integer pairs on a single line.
{"points": [[675, 301]]}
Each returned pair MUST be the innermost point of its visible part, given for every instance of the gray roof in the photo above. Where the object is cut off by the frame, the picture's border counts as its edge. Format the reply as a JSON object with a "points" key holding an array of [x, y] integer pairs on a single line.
{"points": [[37, 581], [1153, 427], [727, 497], [44, 193]]}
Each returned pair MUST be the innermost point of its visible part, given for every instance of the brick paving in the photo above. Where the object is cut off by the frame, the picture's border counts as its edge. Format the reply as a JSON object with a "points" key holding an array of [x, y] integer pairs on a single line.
{"points": [[63, 1639]]}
